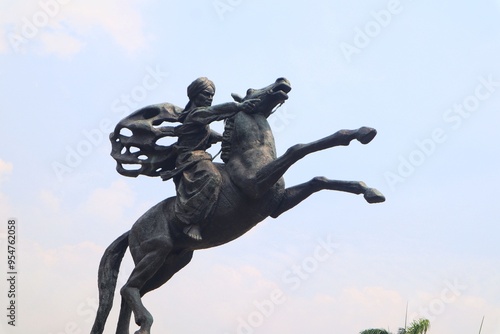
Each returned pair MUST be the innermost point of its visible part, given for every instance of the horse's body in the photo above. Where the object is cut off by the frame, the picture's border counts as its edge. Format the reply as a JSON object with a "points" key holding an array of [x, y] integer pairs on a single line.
{"points": [[252, 190]]}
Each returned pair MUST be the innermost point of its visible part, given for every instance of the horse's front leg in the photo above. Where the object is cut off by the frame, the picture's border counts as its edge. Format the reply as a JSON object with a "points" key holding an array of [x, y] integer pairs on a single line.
{"points": [[269, 174], [297, 194]]}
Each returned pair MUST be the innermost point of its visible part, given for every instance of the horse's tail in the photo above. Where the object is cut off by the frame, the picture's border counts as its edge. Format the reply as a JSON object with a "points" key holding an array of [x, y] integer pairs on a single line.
{"points": [[107, 277]]}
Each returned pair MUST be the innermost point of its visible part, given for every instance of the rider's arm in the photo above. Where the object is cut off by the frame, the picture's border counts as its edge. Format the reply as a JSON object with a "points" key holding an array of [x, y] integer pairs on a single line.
{"points": [[215, 137], [207, 115], [215, 113]]}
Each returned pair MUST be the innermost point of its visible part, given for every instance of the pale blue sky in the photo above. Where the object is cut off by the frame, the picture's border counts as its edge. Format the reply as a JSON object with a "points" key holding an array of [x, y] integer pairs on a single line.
{"points": [[424, 74]]}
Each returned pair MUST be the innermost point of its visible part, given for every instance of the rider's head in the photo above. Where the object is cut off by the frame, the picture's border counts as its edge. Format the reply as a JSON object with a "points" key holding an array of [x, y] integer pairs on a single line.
{"points": [[200, 93]]}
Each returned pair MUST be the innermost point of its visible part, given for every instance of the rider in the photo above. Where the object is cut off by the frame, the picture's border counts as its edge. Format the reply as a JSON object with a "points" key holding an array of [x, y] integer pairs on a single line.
{"points": [[199, 183]]}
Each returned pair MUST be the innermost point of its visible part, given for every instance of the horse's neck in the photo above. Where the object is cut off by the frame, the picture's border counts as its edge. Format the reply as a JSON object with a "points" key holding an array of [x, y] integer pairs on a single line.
{"points": [[252, 132], [252, 149]]}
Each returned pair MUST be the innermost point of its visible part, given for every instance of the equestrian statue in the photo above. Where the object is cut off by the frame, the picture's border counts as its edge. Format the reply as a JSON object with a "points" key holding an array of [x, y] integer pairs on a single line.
{"points": [[215, 202]]}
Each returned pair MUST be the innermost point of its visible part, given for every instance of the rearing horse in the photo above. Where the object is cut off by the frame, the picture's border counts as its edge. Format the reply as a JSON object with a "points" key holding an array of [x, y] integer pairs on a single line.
{"points": [[252, 189]]}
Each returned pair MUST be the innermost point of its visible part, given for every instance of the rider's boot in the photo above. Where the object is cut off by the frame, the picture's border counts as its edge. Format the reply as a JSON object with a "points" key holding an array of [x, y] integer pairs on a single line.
{"points": [[193, 231]]}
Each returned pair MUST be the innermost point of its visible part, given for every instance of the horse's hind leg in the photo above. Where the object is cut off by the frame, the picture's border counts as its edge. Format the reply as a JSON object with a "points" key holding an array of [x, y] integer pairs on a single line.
{"points": [[297, 194], [124, 318], [152, 255], [172, 264], [273, 171]]}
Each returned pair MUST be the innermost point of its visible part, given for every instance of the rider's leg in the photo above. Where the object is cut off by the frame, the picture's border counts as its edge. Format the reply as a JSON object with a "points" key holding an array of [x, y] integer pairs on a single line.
{"points": [[197, 193], [295, 195]]}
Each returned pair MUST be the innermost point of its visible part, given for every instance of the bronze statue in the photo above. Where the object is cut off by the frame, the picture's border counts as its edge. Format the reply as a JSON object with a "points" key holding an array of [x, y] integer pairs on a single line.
{"points": [[244, 190]]}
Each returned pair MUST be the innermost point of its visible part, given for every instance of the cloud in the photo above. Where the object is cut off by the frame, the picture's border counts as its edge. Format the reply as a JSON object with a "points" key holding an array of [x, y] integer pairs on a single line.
{"points": [[5, 204], [241, 296], [61, 44], [348, 311], [50, 201], [63, 279], [110, 204], [4, 45], [374, 296], [61, 27], [119, 19], [5, 169], [53, 285]]}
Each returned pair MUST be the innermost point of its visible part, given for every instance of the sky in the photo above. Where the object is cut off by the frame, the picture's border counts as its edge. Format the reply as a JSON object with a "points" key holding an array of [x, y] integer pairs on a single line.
{"points": [[425, 74]]}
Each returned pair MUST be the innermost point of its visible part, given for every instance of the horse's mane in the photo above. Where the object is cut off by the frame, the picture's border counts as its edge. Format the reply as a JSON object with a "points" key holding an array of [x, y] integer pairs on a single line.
{"points": [[226, 139]]}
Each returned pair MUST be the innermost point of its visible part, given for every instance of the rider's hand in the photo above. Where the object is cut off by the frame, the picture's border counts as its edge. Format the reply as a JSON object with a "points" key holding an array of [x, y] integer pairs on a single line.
{"points": [[249, 105]]}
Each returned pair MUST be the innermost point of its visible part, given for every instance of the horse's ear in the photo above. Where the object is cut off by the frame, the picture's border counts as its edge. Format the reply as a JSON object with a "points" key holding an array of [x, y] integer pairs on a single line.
{"points": [[236, 97]]}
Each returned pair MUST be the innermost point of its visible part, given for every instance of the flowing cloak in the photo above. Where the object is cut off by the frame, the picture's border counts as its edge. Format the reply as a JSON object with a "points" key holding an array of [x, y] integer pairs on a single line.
{"points": [[136, 151], [199, 181]]}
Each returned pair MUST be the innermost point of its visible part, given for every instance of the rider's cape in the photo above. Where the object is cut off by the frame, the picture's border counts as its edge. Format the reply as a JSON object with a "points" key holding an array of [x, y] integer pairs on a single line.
{"points": [[139, 151]]}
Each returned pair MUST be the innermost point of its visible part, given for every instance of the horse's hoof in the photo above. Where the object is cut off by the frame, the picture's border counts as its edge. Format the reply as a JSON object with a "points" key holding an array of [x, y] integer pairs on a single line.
{"points": [[372, 195], [365, 135], [145, 323], [143, 331]]}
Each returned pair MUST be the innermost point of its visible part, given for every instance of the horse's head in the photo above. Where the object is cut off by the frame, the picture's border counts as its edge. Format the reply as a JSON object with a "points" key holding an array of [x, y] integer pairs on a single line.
{"points": [[270, 97]]}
